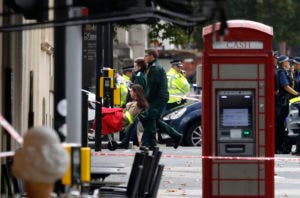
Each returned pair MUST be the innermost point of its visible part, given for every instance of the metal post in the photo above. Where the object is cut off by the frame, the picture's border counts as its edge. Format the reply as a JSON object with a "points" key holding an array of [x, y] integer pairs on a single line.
{"points": [[84, 138], [67, 71], [73, 79], [108, 53], [59, 70], [104, 59], [99, 67]]}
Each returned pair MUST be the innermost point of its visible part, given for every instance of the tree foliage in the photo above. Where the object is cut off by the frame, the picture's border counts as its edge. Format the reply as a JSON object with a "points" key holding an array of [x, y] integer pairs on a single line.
{"points": [[282, 15], [176, 35]]}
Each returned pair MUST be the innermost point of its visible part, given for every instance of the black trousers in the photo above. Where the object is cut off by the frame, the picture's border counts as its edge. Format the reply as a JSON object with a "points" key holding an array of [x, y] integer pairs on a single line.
{"points": [[281, 112]]}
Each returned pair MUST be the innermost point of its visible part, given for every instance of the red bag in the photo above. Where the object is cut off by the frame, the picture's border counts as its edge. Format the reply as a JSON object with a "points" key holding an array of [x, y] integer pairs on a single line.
{"points": [[111, 120]]}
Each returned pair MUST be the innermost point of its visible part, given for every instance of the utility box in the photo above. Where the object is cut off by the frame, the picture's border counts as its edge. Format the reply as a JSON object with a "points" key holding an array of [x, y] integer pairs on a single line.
{"points": [[238, 111]]}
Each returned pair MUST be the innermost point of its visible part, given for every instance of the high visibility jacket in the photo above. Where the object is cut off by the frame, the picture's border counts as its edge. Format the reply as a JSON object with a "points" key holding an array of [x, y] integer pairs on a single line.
{"points": [[123, 83], [131, 111], [178, 86]]}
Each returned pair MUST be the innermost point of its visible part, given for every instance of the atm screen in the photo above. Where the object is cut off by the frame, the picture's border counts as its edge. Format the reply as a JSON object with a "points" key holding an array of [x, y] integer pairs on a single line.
{"points": [[235, 117], [235, 109]]}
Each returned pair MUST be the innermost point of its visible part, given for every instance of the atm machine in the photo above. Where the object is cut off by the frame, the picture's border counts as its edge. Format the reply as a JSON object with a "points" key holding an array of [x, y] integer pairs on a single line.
{"points": [[236, 123]]}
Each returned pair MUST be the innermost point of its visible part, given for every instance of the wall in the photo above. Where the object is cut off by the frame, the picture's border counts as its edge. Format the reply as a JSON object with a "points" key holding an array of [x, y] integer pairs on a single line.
{"points": [[38, 60], [138, 40]]}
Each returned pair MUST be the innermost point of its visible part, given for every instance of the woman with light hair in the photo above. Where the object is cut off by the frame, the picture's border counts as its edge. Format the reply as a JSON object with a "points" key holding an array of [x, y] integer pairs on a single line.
{"points": [[40, 162]]}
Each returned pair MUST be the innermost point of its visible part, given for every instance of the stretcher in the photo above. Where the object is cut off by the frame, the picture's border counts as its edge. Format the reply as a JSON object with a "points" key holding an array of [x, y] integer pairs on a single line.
{"points": [[112, 123]]}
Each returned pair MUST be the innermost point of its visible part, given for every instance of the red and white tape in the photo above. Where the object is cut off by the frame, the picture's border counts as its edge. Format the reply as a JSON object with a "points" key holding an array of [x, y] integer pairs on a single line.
{"points": [[189, 97], [293, 159], [7, 154], [10, 129], [92, 97]]}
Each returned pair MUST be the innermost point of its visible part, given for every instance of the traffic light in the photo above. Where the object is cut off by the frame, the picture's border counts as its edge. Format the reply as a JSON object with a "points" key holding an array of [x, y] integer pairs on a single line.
{"points": [[31, 9], [106, 7], [109, 8]]}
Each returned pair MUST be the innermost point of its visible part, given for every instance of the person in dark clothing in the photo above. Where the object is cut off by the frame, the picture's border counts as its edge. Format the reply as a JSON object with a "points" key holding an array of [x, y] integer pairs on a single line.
{"points": [[139, 74], [138, 77], [275, 55], [157, 95], [138, 104], [282, 103]]}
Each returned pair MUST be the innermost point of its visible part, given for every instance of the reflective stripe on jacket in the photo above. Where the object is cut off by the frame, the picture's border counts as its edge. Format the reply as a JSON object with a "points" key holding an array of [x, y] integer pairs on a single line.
{"points": [[131, 111]]}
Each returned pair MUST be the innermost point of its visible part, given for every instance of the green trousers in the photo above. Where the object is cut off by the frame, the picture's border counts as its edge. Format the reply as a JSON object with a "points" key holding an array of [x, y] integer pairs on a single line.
{"points": [[164, 127]]}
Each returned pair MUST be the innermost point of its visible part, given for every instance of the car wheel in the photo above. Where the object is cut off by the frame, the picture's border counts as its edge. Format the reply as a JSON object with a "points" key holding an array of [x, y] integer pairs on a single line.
{"points": [[193, 136]]}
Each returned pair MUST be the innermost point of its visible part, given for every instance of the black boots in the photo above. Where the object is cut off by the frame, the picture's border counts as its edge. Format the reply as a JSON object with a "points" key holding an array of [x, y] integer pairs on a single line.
{"points": [[177, 143], [123, 145]]}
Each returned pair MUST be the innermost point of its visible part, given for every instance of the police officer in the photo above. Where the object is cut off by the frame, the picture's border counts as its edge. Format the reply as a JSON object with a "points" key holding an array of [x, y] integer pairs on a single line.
{"points": [[275, 56], [282, 103], [157, 95], [178, 85], [123, 83], [296, 63]]}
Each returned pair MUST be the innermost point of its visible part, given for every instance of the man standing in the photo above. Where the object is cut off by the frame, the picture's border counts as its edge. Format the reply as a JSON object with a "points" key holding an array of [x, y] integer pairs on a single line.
{"points": [[157, 95], [177, 84], [286, 91]]}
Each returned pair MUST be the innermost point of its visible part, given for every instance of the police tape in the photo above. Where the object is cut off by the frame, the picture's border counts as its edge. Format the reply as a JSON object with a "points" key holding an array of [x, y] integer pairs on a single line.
{"points": [[189, 97], [292, 159], [10, 129], [92, 97], [7, 154]]}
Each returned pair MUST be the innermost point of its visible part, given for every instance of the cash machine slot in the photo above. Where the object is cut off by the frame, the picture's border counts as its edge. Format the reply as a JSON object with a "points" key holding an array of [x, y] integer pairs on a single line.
{"points": [[237, 148]]}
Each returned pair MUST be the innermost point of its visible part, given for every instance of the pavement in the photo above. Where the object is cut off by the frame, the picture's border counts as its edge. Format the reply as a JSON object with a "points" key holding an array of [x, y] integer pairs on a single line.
{"points": [[182, 176]]}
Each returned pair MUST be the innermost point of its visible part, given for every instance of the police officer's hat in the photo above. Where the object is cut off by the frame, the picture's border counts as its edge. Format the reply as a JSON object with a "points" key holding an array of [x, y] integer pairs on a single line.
{"points": [[176, 62], [275, 54], [282, 58], [296, 60], [127, 68]]}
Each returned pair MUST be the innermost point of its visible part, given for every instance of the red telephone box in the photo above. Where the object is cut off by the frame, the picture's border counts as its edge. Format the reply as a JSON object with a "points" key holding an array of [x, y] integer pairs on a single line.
{"points": [[238, 111]]}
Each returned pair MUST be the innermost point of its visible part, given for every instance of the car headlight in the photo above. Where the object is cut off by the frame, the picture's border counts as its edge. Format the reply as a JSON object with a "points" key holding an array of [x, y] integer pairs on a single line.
{"points": [[175, 114]]}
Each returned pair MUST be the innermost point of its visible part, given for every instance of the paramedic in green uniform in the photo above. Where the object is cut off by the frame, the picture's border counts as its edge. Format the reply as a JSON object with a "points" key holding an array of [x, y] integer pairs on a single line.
{"points": [[157, 95]]}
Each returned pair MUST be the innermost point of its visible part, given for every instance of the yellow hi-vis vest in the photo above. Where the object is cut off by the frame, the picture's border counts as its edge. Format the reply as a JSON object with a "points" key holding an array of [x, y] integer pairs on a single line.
{"points": [[178, 86], [294, 100], [123, 85]]}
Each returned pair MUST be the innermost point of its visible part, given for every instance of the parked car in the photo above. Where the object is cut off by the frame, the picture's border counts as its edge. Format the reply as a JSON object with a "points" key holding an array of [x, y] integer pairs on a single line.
{"points": [[186, 119], [292, 127], [91, 115]]}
